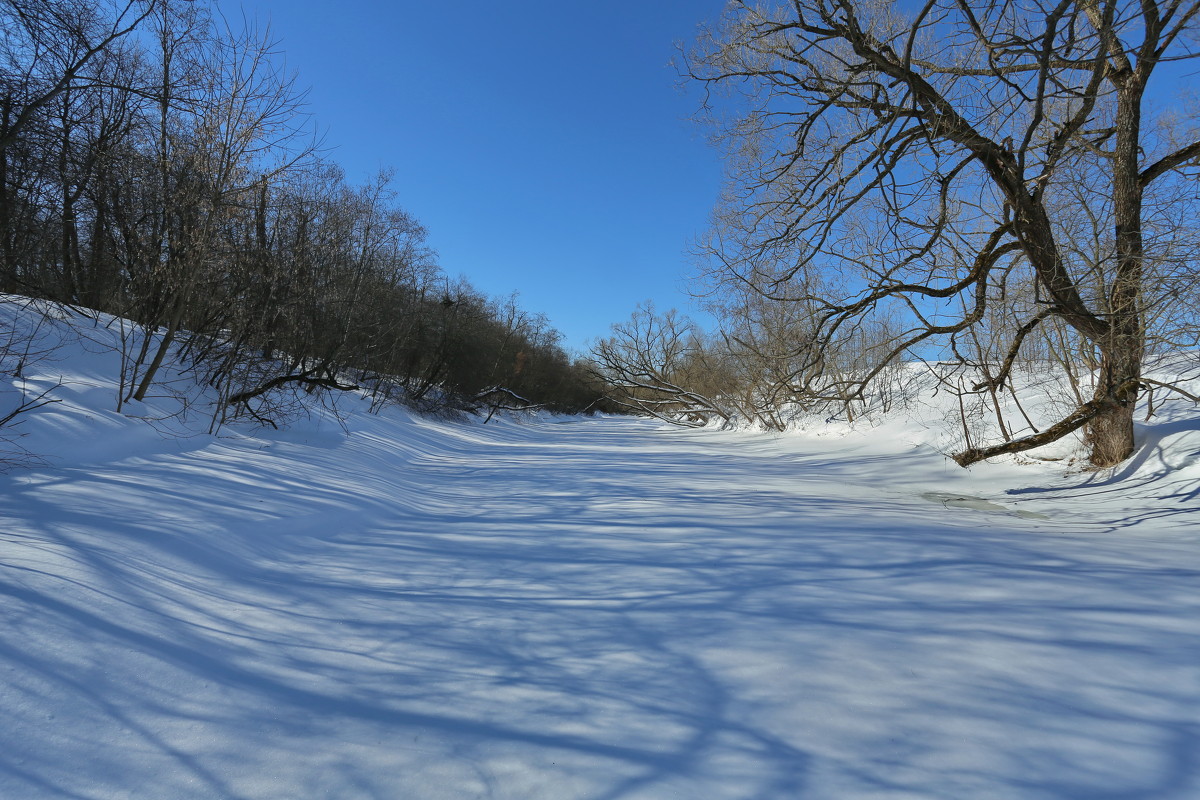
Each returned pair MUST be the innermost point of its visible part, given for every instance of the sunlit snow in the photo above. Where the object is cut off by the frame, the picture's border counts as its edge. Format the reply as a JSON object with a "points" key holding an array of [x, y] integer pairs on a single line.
{"points": [[554, 608]]}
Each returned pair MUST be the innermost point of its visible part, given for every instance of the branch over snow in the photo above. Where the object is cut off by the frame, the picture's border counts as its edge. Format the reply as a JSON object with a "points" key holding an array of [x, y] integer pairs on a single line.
{"points": [[305, 378]]}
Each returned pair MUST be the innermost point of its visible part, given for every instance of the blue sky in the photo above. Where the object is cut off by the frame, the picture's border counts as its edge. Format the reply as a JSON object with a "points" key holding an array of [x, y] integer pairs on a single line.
{"points": [[544, 143]]}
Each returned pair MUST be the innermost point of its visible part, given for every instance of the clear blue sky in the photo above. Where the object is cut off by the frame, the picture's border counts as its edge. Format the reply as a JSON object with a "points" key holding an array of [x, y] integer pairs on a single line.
{"points": [[544, 143]]}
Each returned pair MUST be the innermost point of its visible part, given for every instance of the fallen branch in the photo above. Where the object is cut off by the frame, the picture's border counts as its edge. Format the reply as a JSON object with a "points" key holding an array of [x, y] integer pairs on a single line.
{"points": [[305, 378], [496, 404], [501, 391], [1073, 422]]}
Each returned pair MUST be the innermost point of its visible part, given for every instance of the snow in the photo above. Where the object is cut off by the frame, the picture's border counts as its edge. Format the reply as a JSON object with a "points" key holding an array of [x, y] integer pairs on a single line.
{"points": [[394, 606]]}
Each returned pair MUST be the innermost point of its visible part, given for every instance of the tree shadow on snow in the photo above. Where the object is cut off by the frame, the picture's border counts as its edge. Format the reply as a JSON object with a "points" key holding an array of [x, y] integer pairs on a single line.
{"points": [[593, 612]]}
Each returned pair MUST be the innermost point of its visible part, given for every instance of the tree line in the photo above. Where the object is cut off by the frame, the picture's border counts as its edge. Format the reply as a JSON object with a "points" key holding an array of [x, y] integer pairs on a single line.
{"points": [[156, 165]]}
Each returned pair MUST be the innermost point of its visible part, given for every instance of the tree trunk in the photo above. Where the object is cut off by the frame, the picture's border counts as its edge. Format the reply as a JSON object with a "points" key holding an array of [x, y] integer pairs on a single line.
{"points": [[1110, 432], [164, 347], [1122, 350]]}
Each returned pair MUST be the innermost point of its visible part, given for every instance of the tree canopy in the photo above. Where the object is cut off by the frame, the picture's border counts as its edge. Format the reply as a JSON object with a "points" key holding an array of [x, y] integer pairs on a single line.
{"points": [[976, 173]]}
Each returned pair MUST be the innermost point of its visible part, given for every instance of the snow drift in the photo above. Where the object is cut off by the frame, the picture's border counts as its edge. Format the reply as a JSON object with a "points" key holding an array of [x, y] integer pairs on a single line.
{"points": [[392, 606]]}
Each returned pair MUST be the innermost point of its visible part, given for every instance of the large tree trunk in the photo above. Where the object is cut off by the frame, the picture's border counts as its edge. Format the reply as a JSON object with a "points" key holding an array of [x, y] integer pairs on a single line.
{"points": [[1110, 433]]}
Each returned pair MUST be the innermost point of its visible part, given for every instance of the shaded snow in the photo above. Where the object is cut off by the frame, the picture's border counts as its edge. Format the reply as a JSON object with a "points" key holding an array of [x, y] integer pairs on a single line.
{"points": [[587, 608]]}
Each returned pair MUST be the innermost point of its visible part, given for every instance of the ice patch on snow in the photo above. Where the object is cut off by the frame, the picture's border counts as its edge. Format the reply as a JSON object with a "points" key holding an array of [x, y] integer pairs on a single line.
{"points": [[978, 504]]}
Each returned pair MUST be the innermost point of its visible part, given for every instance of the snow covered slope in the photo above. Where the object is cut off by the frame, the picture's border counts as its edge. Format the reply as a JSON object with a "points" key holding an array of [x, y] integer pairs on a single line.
{"points": [[398, 607]]}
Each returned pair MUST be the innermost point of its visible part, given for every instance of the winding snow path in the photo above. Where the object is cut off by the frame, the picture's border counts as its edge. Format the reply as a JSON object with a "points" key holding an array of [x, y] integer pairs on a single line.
{"points": [[593, 609]]}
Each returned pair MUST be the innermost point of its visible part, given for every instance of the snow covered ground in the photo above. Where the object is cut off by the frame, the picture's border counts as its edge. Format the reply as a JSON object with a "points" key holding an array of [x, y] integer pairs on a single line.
{"points": [[585, 608]]}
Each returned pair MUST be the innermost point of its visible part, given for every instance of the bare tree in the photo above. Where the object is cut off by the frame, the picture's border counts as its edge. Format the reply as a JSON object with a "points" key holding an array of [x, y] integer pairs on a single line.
{"points": [[155, 165], [52, 47], [659, 365], [228, 121], [929, 163]]}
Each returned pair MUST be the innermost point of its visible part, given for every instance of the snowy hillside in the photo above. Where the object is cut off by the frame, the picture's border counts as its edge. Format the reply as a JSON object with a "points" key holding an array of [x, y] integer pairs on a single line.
{"points": [[392, 606]]}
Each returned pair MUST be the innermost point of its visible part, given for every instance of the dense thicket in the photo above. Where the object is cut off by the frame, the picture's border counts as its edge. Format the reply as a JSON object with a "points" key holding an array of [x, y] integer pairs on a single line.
{"points": [[154, 164]]}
